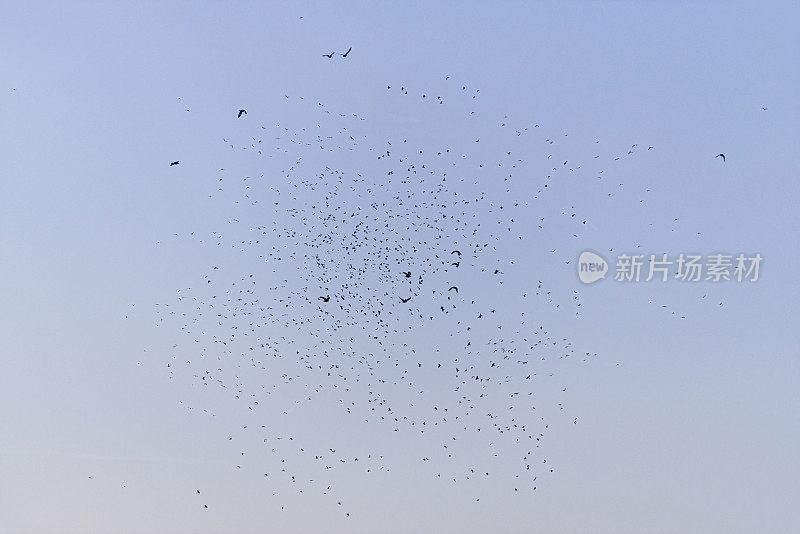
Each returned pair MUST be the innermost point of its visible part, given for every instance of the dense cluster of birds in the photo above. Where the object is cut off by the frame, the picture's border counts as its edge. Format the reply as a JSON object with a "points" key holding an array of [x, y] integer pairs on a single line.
{"points": [[373, 284]]}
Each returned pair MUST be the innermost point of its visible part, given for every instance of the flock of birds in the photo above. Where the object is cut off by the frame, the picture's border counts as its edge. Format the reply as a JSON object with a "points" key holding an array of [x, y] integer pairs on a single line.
{"points": [[373, 285]]}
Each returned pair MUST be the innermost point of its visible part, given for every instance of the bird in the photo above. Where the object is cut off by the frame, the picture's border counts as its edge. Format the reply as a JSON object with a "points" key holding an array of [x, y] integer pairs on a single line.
{"points": [[348, 51], [720, 156], [241, 112], [329, 56], [326, 299], [407, 273], [452, 288], [174, 163], [456, 252], [404, 300]]}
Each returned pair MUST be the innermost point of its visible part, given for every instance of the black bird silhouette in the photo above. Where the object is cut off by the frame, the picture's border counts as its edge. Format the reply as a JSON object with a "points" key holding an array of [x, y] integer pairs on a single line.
{"points": [[404, 300], [456, 252], [407, 273], [329, 56], [348, 51], [241, 112], [326, 299], [452, 288], [720, 156], [174, 163]]}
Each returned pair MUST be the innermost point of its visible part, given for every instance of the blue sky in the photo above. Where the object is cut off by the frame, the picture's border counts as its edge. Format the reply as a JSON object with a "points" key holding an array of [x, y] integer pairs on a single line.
{"points": [[683, 425]]}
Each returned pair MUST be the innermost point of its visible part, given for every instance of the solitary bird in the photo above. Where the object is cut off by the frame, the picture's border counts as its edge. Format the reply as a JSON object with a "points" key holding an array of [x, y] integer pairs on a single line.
{"points": [[241, 112], [329, 56], [348, 51], [174, 163], [720, 156]]}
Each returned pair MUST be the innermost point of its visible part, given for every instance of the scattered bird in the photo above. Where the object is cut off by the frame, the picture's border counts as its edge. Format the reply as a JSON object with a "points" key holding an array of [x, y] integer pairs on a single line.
{"points": [[241, 112], [174, 163]]}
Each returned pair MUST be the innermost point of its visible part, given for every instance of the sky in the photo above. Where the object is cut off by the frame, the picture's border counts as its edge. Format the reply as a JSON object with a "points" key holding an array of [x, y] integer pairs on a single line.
{"points": [[684, 414]]}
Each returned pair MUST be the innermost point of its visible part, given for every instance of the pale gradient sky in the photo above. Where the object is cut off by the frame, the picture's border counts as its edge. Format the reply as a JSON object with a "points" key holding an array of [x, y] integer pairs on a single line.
{"points": [[697, 429]]}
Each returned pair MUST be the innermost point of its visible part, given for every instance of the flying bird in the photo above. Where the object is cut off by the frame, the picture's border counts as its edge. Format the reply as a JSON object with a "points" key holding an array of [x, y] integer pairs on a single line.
{"points": [[329, 56], [326, 299], [452, 288], [174, 163], [348, 51], [241, 112], [404, 300], [720, 156], [407, 273]]}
